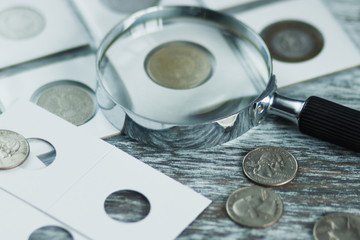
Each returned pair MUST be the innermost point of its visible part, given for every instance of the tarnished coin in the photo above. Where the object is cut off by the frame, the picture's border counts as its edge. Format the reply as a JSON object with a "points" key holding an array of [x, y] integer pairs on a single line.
{"points": [[14, 149], [21, 23], [51, 232], [126, 6], [338, 226], [293, 41], [179, 65], [270, 166], [255, 207], [72, 102]]}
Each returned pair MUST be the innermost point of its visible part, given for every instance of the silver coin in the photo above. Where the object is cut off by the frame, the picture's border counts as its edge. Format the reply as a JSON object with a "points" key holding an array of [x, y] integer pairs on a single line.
{"points": [[51, 232], [21, 23], [72, 102], [126, 6], [14, 149], [179, 65], [255, 207], [293, 41], [337, 226], [270, 166]]}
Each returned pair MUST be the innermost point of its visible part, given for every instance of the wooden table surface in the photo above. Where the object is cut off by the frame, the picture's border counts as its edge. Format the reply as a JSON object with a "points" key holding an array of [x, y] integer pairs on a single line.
{"points": [[328, 178]]}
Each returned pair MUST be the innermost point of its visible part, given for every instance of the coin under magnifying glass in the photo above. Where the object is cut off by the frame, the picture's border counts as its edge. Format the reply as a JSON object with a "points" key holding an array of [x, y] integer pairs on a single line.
{"points": [[270, 166], [21, 23], [179, 65], [72, 102], [337, 226], [126, 6], [254, 207], [293, 41], [14, 149]]}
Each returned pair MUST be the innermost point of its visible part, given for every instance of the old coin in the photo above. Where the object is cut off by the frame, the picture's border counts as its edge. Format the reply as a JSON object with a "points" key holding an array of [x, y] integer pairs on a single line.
{"points": [[14, 149], [337, 226], [270, 166], [179, 65], [21, 23], [70, 101], [293, 41], [255, 207], [126, 6]]}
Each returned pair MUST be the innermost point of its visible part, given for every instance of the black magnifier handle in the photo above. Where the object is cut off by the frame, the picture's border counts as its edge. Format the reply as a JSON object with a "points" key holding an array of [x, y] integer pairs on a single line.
{"points": [[322, 119]]}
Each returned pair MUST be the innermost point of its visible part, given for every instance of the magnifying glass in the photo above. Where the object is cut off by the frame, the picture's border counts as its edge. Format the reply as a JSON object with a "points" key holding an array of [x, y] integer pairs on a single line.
{"points": [[189, 77]]}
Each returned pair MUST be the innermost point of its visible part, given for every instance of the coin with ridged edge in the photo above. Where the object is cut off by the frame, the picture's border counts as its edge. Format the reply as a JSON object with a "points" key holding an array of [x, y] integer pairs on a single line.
{"points": [[19, 23], [293, 41], [14, 149], [270, 166], [254, 207], [72, 102], [337, 226], [179, 65]]}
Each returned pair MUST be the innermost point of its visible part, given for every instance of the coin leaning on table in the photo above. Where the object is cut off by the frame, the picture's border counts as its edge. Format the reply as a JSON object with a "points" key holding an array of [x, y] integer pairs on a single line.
{"points": [[270, 166], [254, 207], [14, 149], [337, 226]]}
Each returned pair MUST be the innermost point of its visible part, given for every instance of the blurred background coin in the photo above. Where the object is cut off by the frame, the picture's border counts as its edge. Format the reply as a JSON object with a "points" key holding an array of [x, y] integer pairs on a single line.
{"points": [[341, 226], [270, 166], [255, 207], [14, 149], [293, 41]]}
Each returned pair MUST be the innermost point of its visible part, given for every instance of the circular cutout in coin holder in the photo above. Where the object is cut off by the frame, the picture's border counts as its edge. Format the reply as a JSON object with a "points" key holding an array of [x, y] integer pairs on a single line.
{"points": [[127, 206], [21, 22], [70, 100], [42, 154], [51, 232], [179, 65], [126, 6]]}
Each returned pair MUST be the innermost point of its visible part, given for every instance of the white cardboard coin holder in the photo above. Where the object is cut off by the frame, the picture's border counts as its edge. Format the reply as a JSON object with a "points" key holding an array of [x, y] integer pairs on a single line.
{"points": [[62, 30], [99, 19], [224, 4], [24, 85], [26, 221], [87, 170], [338, 53]]}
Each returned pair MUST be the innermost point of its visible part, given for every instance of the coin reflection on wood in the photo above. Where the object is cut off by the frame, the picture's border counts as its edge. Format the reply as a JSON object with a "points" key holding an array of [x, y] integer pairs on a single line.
{"points": [[14, 149], [293, 41], [255, 207], [19, 23], [68, 100], [270, 166], [179, 65], [337, 226]]}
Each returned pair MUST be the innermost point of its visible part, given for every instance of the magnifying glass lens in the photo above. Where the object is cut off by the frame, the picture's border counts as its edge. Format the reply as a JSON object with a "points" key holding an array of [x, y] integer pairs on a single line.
{"points": [[183, 70]]}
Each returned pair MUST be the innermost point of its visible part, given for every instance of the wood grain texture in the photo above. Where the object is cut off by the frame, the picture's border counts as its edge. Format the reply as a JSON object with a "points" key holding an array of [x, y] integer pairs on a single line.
{"points": [[328, 179]]}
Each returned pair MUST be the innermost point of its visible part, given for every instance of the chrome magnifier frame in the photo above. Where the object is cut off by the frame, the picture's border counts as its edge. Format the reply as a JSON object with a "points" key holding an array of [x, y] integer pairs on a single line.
{"points": [[314, 116]]}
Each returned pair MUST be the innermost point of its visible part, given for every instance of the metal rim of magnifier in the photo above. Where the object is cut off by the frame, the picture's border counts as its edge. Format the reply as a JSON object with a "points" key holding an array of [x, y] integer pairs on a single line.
{"points": [[170, 135]]}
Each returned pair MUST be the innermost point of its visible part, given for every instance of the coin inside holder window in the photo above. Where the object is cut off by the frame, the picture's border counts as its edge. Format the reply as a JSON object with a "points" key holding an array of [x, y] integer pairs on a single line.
{"points": [[14, 149], [127, 206], [42, 154], [21, 22], [51, 232], [293, 41], [70, 100], [125, 6]]}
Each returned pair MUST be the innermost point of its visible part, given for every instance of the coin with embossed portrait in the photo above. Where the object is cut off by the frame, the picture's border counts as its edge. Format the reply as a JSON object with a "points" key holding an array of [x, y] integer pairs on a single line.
{"points": [[21, 23], [69, 100], [293, 41], [270, 166], [126, 6], [14, 149], [337, 226], [255, 207], [179, 65]]}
